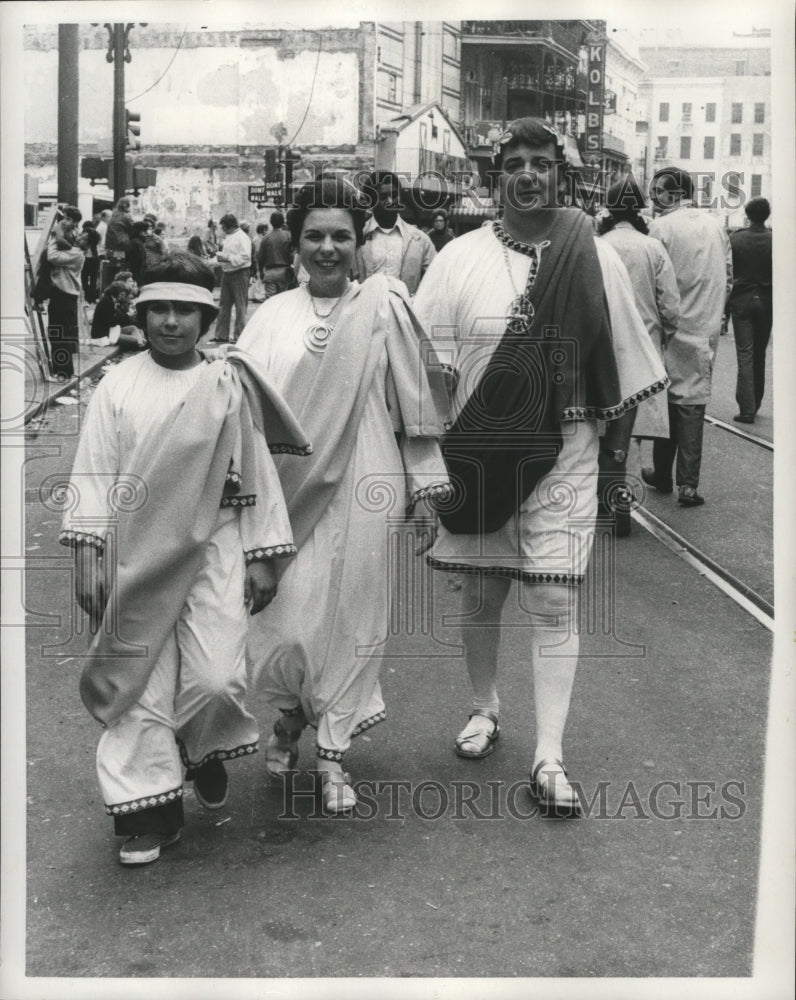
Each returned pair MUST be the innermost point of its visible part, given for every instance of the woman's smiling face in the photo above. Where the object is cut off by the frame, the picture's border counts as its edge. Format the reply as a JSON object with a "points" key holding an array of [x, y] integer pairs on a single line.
{"points": [[327, 245]]}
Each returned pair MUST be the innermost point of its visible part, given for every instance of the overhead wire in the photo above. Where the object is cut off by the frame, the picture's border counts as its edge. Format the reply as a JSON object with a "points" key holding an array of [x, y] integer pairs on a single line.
{"points": [[165, 71], [312, 89]]}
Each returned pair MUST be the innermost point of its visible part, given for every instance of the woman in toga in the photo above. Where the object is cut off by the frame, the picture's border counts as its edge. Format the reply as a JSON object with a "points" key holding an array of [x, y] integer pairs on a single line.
{"points": [[350, 358]]}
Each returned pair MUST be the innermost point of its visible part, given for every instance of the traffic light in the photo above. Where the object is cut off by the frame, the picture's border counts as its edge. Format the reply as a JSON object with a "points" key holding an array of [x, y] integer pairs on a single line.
{"points": [[132, 129], [272, 172]]}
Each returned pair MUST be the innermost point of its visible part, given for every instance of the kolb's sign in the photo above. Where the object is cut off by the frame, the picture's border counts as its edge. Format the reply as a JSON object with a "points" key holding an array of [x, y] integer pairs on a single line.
{"points": [[595, 105], [261, 194]]}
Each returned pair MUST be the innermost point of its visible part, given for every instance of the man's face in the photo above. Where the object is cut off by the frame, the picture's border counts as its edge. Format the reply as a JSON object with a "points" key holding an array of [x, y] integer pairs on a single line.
{"points": [[439, 222], [68, 226], [388, 205], [530, 176]]}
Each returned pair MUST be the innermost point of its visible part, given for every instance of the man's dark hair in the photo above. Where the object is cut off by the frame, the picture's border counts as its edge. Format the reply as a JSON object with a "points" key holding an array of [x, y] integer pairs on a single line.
{"points": [[88, 224], [533, 132], [277, 220], [757, 210], [183, 268], [228, 221], [123, 276], [141, 227], [70, 212], [673, 181], [329, 193], [262, 227]]}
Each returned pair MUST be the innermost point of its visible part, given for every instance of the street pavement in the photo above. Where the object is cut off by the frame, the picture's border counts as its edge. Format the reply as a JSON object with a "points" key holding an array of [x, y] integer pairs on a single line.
{"points": [[666, 737]]}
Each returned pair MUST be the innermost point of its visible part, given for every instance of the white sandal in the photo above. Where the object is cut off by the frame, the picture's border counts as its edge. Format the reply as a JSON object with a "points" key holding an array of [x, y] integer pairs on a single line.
{"points": [[482, 742], [338, 795]]}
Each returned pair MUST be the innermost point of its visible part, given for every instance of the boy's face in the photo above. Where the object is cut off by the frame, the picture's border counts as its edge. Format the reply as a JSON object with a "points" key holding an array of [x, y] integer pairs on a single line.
{"points": [[173, 329]]}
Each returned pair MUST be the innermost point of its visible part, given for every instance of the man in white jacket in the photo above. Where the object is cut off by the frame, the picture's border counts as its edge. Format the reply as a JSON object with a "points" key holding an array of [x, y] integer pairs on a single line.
{"points": [[235, 258]]}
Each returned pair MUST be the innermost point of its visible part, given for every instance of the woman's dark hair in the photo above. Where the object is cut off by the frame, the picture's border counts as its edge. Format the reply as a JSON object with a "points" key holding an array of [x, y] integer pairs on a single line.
{"points": [[140, 228], [439, 213], [183, 268], [624, 202], [123, 205], [195, 246], [116, 288], [328, 193]]}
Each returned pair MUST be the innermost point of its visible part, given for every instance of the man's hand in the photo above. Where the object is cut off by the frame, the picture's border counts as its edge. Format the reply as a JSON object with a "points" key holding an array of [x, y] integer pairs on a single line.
{"points": [[90, 585], [260, 584]]}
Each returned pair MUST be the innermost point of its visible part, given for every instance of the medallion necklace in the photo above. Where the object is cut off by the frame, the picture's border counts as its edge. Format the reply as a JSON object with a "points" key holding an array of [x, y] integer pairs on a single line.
{"points": [[521, 311]]}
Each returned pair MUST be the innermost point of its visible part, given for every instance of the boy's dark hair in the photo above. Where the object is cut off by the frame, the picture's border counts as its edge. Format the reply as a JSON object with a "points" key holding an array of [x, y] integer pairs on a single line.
{"points": [[277, 220], [329, 193], [183, 268], [757, 209], [671, 180]]}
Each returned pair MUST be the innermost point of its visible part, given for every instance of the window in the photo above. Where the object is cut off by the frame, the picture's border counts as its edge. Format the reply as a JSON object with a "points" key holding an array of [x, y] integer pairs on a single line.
{"points": [[760, 114], [735, 144], [757, 185], [686, 114], [740, 67], [663, 113], [685, 147], [709, 151], [757, 144], [710, 112], [737, 114], [663, 147]]}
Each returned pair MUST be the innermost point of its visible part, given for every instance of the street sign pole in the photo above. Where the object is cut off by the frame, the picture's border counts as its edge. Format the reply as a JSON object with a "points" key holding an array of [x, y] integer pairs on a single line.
{"points": [[119, 173]]}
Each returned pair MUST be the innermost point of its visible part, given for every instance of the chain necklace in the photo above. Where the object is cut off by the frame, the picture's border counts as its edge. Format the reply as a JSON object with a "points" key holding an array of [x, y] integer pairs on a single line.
{"points": [[521, 311], [317, 335]]}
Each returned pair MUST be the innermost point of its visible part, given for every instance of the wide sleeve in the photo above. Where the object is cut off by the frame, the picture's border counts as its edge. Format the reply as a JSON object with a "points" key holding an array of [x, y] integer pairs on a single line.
{"points": [[265, 525], [95, 480], [434, 305], [417, 401], [667, 295], [61, 257]]}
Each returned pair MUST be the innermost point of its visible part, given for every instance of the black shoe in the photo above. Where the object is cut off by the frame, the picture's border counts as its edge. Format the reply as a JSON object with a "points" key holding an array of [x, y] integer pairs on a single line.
{"points": [[689, 497], [649, 477], [210, 783], [744, 418]]}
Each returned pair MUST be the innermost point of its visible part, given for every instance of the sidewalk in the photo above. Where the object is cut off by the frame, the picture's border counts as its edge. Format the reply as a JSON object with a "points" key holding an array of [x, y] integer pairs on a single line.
{"points": [[41, 394]]}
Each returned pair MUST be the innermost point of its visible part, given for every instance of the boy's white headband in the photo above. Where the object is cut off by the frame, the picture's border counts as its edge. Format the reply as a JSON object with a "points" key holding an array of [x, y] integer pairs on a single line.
{"points": [[175, 291]]}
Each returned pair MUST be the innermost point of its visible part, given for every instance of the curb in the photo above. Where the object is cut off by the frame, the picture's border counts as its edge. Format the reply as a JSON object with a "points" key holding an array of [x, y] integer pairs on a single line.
{"points": [[56, 390]]}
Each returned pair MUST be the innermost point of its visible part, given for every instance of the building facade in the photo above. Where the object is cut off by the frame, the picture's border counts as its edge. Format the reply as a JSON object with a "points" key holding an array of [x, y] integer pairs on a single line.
{"points": [[212, 102], [709, 111]]}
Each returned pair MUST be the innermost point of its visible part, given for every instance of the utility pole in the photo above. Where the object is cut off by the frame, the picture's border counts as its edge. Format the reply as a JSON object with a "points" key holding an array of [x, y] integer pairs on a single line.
{"points": [[118, 53], [68, 82]]}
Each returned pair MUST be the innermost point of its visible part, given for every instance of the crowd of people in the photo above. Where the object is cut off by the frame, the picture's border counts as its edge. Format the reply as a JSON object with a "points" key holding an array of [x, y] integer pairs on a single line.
{"points": [[473, 380]]}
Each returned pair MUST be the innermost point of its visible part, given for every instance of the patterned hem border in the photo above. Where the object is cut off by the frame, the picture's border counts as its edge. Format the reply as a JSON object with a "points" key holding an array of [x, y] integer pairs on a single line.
{"points": [[612, 412], [243, 751], [247, 501], [148, 802], [75, 538], [271, 552], [439, 490], [368, 723], [233, 479], [526, 576], [449, 369], [324, 754], [289, 449]]}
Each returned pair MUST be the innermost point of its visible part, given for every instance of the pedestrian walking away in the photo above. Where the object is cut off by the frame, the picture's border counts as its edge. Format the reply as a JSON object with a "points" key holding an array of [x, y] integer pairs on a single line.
{"points": [[658, 302], [235, 258], [275, 257], [518, 311], [392, 246], [349, 359], [699, 250], [751, 306], [170, 570]]}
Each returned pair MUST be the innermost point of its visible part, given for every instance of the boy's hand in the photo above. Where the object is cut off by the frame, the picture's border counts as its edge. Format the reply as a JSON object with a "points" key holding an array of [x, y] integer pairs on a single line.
{"points": [[259, 585], [90, 589]]}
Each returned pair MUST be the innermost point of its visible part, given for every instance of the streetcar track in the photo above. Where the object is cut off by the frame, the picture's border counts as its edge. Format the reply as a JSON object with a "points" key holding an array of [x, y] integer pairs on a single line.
{"points": [[738, 432], [743, 595]]}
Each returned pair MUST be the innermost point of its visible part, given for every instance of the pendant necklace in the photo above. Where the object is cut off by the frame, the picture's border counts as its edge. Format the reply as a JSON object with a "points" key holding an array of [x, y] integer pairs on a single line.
{"points": [[317, 336], [521, 311]]}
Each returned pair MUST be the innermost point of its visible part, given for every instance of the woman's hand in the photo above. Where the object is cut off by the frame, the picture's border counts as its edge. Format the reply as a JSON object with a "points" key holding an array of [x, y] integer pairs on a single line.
{"points": [[260, 585], [90, 585], [425, 521]]}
